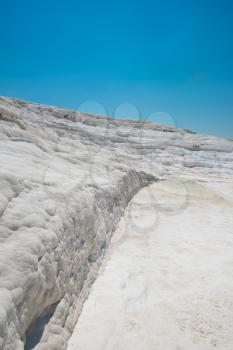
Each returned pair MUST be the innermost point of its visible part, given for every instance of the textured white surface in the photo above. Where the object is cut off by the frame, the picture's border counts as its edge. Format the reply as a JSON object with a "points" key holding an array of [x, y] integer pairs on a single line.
{"points": [[166, 281], [65, 180]]}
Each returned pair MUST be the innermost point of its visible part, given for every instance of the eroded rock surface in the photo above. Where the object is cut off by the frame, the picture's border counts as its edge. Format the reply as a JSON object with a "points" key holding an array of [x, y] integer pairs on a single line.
{"points": [[65, 179]]}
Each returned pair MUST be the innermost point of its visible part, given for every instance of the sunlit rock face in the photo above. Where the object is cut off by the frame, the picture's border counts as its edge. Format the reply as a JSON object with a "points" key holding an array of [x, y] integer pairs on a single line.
{"points": [[65, 180]]}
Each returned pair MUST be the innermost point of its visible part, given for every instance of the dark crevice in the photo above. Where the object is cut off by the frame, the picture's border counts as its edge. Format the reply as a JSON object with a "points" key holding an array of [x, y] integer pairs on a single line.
{"points": [[35, 331]]}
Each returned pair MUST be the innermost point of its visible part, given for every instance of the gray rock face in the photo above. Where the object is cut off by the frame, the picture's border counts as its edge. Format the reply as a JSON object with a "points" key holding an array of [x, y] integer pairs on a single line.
{"points": [[65, 180]]}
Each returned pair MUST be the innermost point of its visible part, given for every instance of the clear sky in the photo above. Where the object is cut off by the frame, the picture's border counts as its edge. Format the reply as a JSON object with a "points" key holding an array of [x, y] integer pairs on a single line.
{"points": [[168, 60]]}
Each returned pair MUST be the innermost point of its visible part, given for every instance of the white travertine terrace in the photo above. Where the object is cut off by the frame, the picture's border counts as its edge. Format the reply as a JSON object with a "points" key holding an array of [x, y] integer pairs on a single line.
{"points": [[166, 280], [65, 180]]}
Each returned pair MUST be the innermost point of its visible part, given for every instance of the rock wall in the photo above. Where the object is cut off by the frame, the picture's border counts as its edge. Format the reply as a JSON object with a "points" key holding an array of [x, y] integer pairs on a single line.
{"points": [[56, 263]]}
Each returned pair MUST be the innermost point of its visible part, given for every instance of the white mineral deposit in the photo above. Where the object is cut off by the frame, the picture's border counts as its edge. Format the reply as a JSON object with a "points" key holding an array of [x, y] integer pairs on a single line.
{"points": [[114, 234]]}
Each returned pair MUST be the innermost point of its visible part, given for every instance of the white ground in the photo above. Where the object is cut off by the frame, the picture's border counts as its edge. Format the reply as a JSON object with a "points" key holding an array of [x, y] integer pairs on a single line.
{"points": [[167, 279]]}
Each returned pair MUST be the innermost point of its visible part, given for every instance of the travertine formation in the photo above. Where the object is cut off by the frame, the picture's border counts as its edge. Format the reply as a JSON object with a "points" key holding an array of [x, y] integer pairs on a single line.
{"points": [[65, 179], [166, 280]]}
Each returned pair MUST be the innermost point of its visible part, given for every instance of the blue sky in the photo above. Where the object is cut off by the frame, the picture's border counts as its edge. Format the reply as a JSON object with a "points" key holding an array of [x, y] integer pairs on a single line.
{"points": [[165, 60]]}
